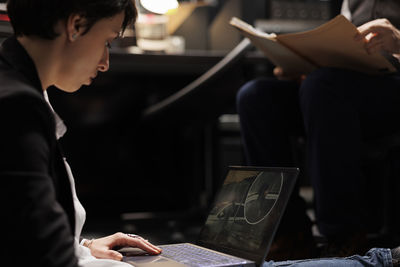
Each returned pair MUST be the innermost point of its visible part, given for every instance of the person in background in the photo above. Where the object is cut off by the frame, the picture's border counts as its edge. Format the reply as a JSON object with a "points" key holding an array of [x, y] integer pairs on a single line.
{"points": [[337, 110], [62, 45]]}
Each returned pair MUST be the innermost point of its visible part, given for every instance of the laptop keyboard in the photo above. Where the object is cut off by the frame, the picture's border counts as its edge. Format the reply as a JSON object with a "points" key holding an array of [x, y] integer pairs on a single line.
{"points": [[196, 256]]}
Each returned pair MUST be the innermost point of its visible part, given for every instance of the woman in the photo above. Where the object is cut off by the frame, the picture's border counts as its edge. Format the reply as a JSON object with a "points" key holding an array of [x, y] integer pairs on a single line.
{"points": [[60, 43]]}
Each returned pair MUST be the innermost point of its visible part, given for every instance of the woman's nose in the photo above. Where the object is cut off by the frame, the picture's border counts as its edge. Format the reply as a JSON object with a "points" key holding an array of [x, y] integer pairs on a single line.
{"points": [[104, 63]]}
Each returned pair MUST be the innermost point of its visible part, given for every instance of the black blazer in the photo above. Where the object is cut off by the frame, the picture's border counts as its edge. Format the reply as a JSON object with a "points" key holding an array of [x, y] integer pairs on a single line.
{"points": [[363, 11], [35, 194]]}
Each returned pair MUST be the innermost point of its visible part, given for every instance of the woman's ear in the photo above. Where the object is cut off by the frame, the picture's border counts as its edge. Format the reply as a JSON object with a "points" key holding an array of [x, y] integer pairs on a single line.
{"points": [[75, 26]]}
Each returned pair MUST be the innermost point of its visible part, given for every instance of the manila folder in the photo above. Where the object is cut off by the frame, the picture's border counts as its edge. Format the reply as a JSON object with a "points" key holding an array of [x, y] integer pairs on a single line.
{"points": [[333, 45], [278, 54]]}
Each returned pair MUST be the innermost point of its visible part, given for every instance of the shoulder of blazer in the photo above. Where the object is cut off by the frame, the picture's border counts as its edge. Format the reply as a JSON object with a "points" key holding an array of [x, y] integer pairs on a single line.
{"points": [[15, 88]]}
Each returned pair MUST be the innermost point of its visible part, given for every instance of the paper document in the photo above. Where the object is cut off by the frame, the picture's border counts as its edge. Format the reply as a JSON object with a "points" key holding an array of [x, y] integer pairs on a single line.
{"points": [[330, 45]]}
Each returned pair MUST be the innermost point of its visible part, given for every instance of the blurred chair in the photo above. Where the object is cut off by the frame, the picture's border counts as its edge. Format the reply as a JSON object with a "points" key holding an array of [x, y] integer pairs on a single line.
{"points": [[184, 131], [207, 96], [382, 170]]}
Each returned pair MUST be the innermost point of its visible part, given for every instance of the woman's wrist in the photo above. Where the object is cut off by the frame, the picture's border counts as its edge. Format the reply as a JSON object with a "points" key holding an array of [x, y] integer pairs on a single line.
{"points": [[87, 242]]}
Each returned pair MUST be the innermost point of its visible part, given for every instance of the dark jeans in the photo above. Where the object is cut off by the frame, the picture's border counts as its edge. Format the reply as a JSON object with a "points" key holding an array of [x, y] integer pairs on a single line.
{"points": [[270, 117], [341, 110], [376, 257]]}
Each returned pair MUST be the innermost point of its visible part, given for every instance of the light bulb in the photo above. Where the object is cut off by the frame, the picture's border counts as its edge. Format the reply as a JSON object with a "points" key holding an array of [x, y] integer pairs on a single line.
{"points": [[159, 6]]}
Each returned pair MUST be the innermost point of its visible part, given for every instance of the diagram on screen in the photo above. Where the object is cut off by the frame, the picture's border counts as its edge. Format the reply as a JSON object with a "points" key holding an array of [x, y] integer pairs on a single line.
{"points": [[261, 197]]}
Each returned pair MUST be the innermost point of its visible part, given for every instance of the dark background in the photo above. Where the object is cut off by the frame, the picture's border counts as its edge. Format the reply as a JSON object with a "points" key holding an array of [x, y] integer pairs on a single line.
{"points": [[124, 164], [135, 171]]}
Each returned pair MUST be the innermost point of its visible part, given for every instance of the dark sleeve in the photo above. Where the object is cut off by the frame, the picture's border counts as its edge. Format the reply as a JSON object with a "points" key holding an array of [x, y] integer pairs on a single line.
{"points": [[36, 231]]}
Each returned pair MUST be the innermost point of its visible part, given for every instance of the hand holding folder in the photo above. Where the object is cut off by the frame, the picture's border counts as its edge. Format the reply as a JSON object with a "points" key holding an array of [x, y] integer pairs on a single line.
{"points": [[332, 44]]}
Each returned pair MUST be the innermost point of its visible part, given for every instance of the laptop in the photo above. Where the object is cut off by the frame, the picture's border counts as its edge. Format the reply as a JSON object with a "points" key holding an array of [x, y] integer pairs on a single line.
{"points": [[240, 225]]}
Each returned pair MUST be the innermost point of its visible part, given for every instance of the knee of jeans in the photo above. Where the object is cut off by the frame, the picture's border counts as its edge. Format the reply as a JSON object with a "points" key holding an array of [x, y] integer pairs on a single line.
{"points": [[314, 89], [249, 94]]}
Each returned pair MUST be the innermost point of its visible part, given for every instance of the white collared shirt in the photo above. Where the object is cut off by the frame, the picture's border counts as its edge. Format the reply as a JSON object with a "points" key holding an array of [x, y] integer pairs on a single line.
{"points": [[83, 253]]}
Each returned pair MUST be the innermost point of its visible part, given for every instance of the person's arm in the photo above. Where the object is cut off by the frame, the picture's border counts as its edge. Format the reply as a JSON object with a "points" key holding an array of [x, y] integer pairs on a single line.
{"points": [[380, 35], [36, 231]]}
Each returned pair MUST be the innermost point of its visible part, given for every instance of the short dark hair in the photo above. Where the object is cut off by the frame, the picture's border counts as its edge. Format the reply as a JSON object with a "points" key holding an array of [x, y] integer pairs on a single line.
{"points": [[38, 17]]}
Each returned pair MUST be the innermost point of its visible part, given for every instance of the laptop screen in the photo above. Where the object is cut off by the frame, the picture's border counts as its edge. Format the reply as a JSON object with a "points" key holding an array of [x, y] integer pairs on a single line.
{"points": [[247, 211]]}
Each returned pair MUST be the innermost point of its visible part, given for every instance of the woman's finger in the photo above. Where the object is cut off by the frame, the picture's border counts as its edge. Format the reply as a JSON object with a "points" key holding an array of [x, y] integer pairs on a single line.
{"points": [[151, 245], [141, 238], [373, 27], [142, 244], [364, 32], [374, 46]]}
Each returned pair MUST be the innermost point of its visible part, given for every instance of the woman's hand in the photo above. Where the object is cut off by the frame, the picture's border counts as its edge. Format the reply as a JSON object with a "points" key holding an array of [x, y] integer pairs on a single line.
{"points": [[102, 248], [379, 35]]}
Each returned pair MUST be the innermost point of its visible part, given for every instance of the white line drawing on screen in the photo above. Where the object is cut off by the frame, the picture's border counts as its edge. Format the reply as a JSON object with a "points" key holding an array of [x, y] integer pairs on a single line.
{"points": [[262, 197]]}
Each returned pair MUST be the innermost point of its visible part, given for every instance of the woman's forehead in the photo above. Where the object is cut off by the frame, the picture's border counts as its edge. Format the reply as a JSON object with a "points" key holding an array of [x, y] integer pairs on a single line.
{"points": [[112, 24]]}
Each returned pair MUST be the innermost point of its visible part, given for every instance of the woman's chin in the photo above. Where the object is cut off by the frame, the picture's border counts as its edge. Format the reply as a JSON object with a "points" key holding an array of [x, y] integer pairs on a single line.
{"points": [[71, 89]]}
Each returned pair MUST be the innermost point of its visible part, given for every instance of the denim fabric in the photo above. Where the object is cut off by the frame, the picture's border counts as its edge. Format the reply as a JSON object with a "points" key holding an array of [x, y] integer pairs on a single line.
{"points": [[342, 111], [377, 257], [270, 118]]}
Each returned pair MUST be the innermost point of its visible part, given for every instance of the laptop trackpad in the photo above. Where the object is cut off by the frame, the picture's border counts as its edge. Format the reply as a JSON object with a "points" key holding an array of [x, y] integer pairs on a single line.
{"points": [[131, 251], [151, 261]]}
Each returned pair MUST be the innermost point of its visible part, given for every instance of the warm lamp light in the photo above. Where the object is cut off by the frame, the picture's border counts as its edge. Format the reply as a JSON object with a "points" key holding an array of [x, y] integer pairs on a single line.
{"points": [[159, 6]]}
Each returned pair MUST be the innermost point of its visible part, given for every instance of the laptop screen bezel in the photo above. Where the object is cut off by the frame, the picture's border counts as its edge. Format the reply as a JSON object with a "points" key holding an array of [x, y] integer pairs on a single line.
{"points": [[258, 256]]}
